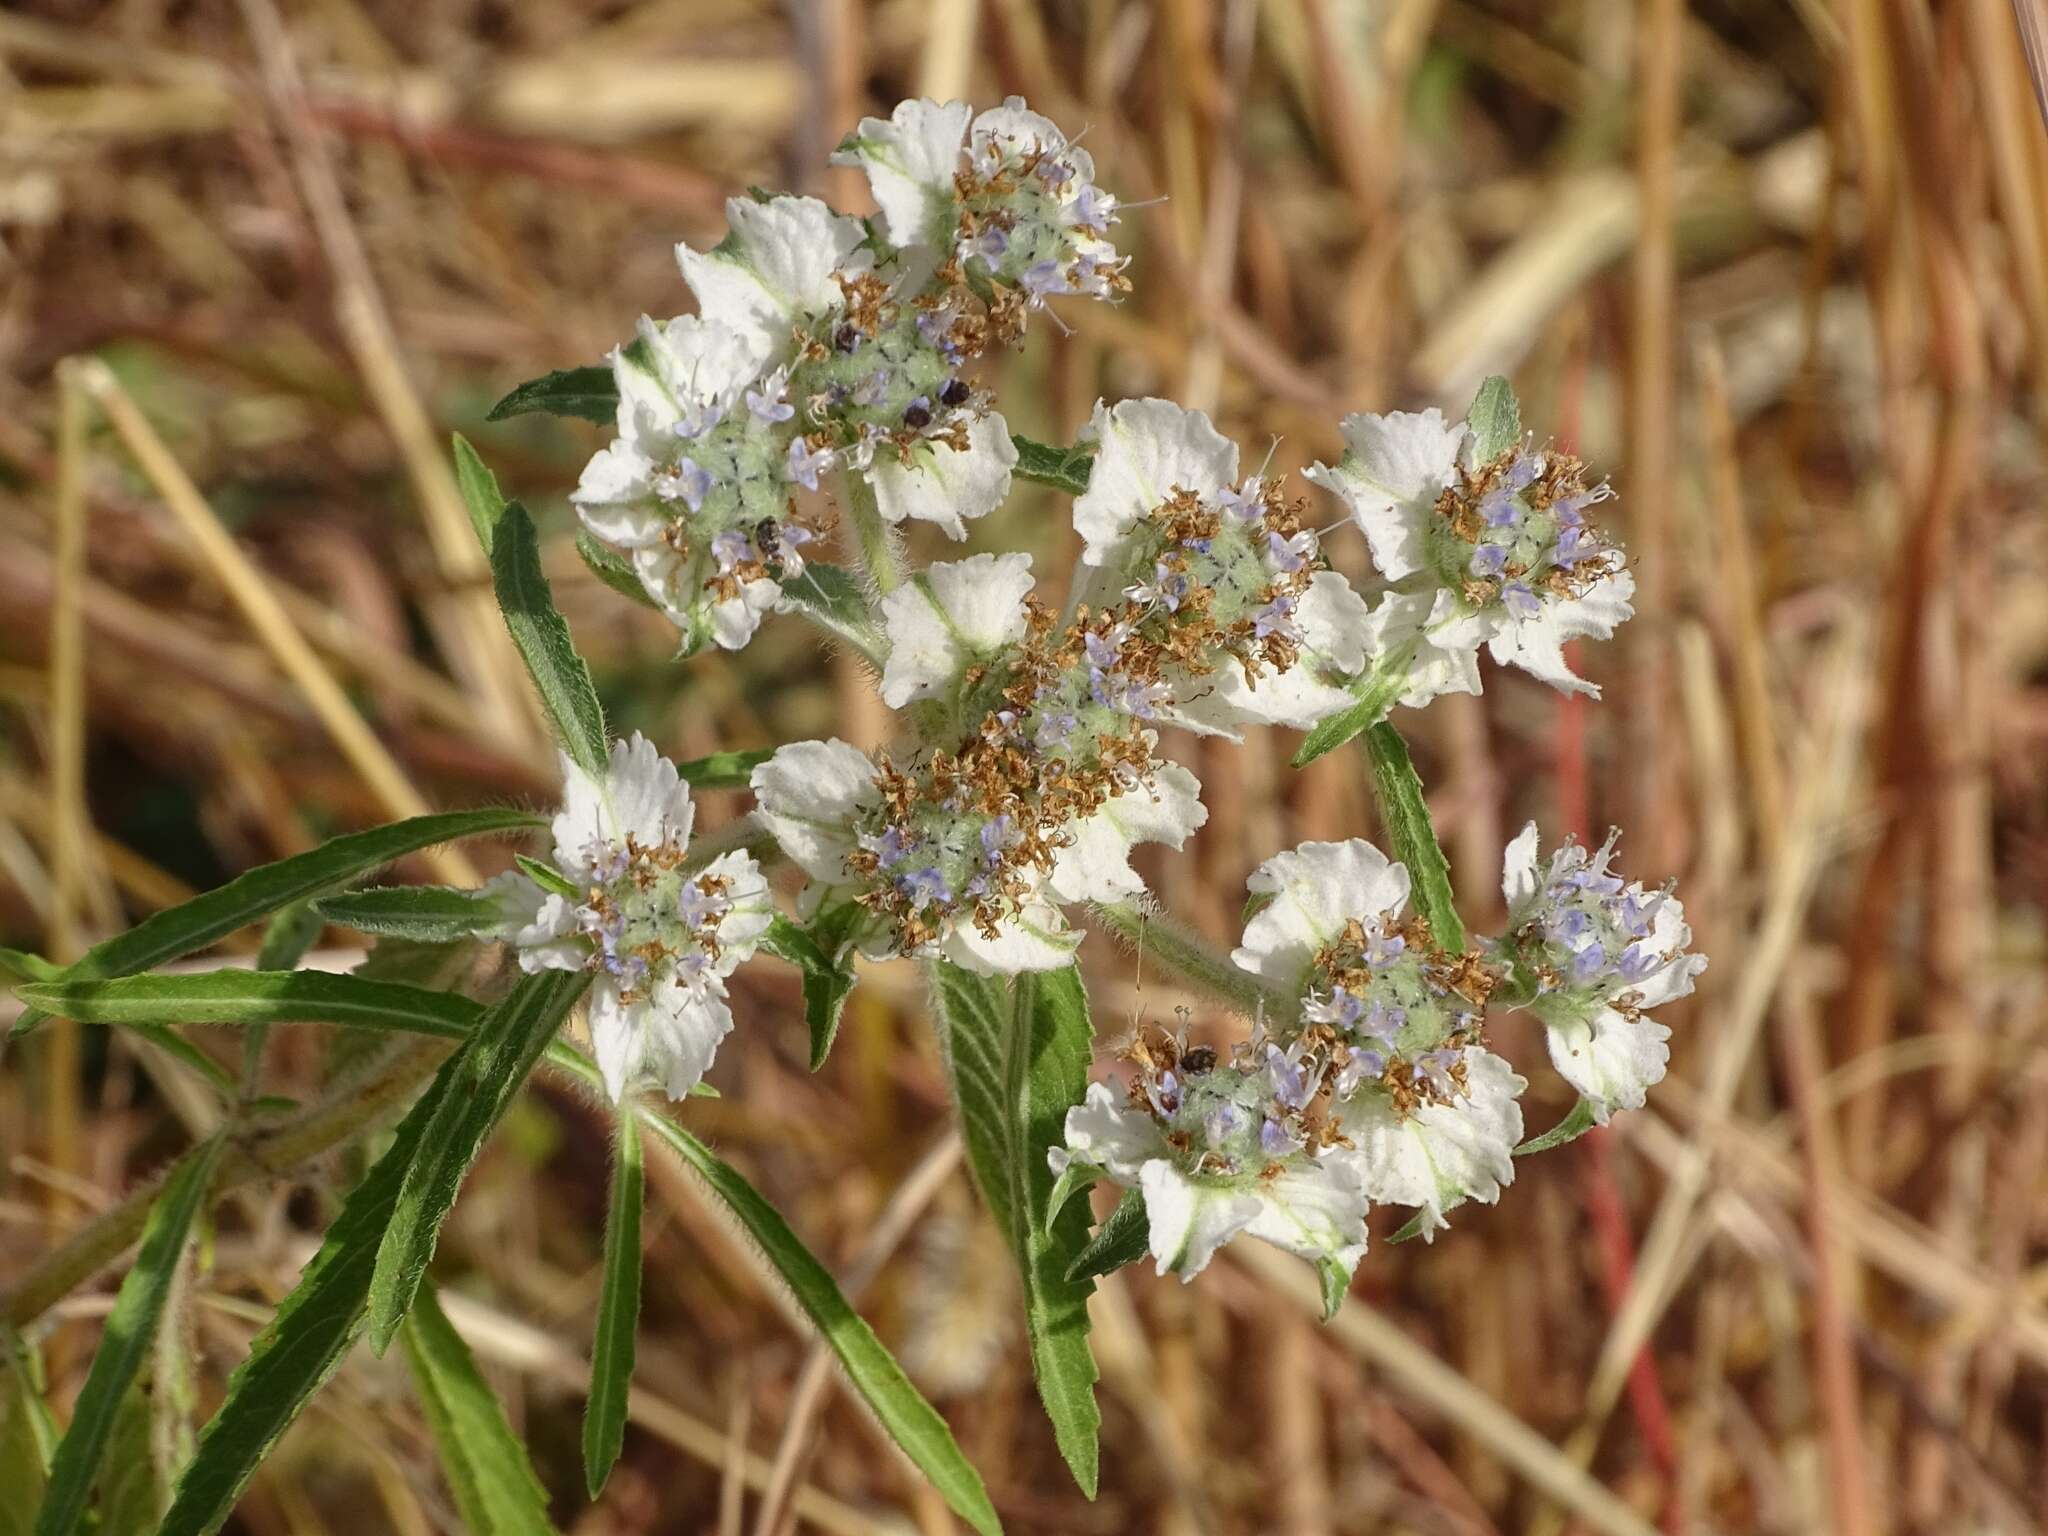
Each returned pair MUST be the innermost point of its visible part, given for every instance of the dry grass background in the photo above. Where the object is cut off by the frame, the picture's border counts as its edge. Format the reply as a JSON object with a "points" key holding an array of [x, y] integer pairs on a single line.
{"points": [[1782, 269]]}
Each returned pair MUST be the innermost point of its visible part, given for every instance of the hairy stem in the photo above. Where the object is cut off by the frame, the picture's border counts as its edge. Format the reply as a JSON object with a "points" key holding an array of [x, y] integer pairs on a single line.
{"points": [[875, 542], [1156, 936]]}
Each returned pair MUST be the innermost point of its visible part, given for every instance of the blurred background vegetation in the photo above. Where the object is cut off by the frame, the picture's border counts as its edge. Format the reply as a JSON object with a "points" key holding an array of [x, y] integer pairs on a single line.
{"points": [[1778, 269]]}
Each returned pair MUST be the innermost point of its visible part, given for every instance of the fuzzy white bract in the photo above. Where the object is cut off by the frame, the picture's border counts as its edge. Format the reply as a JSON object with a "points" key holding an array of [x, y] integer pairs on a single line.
{"points": [[658, 935], [1502, 550], [1594, 955]]}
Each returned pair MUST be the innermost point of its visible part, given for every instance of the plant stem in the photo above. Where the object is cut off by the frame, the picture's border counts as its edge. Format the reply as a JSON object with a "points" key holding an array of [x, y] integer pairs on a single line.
{"points": [[874, 541], [1154, 935]]}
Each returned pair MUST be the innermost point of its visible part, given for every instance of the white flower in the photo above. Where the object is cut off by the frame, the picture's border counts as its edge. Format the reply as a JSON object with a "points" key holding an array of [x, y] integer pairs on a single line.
{"points": [[1227, 1169], [775, 268], [659, 938], [1426, 643], [1333, 632], [1147, 450], [948, 617], [1096, 865], [910, 161], [1316, 890], [1502, 548], [1440, 1150], [810, 793], [1596, 954], [942, 484]]}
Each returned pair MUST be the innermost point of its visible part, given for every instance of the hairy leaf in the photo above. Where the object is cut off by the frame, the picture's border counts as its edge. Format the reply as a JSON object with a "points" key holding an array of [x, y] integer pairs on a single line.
{"points": [[613, 569], [1412, 834], [27, 1437], [618, 1310], [423, 914], [541, 634], [834, 600], [130, 1330], [480, 493], [1123, 1238], [1570, 1128], [486, 1072], [260, 997], [591, 394], [724, 770], [1018, 1058], [815, 950], [1495, 419], [1065, 469], [487, 1469], [206, 919], [1376, 695]]}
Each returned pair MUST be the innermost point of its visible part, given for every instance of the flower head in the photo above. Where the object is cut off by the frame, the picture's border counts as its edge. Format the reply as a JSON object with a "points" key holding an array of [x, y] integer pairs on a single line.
{"points": [[1594, 955], [658, 934], [1503, 546]]}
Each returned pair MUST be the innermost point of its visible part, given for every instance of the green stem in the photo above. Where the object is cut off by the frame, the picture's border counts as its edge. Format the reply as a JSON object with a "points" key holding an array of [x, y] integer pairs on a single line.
{"points": [[1413, 835], [1156, 936], [875, 543]]}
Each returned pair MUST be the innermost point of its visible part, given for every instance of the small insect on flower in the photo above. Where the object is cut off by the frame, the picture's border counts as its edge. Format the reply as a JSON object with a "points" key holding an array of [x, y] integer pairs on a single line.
{"points": [[659, 933]]}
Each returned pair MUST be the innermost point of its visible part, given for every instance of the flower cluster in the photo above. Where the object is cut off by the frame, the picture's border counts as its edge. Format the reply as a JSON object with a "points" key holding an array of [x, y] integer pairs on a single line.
{"points": [[658, 931]]}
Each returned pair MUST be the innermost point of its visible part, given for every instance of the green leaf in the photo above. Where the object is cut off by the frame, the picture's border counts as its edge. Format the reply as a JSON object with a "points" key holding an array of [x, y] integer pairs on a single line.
{"points": [[816, 951], [424, 914], [1574, 1125], [23, 966], [1019, 1061], [1124, 1238], [260, 997], [835, 600], [487, 1469], [547, 877], [1376, 695], [27, 1438], [312, 1331], [1495, 419], [485, 1073], [566, 691], [129, 1495], [724, 770], [1411, 1229], [1064, 469], [131, 1327], [911, 1421], [1413, 836], [209, 918], [480, 492], [591, 394], [618, 1311], [613, 569]]}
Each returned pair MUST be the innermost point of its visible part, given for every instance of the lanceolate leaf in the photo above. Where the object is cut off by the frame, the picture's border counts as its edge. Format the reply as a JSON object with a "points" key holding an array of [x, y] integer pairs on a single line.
{"points": [[1410, 830], [618, 1310], [27, 1438], [1375, 697], [487, 1469], [542, 636], [209, 918], [815, 951], [259, 997], [1019, 1061], [131, 1327], [911, 1421], [480, 492], [589, 393], [1064, 469], [834, 600], [484, 1074], [1574, 1125], [1120, 1240], [613, 569], [1495, 419], [312, 1331], [424, 914]]}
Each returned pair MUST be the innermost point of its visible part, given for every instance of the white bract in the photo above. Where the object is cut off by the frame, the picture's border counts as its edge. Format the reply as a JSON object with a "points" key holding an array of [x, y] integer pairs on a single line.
{"points": [[658, 934], [1501, 549], [1594, 955]]}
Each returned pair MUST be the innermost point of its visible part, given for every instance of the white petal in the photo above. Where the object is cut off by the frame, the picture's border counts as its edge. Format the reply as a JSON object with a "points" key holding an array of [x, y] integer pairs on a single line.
{"points": [[1520, 883], [1436, 641], [1105, 1131], [614, 497], [774, 268], [1034, 938], [682, 1027], [910, 162], [549, 940], [945, 616], [614, 1036], [1611, 1059], [1016, 129], [1390, 478], [1190, 1221], [647, 409], [1148, 449], [1316, 888], [734, 619], [1439, 1154], [646, 798], [1335, 622], [1316, 1210], [703, 361], [751, 913], [582, 826], [676, 583], [809, 794], [1096, 866], [1536, 645], [944, 485], [1670, 934]]}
